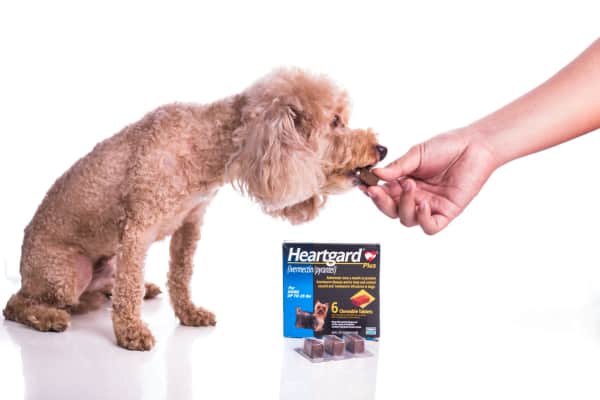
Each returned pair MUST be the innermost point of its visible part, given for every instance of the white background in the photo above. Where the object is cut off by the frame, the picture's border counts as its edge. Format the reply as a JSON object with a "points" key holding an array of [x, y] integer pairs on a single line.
{"points": [[505, 303]]}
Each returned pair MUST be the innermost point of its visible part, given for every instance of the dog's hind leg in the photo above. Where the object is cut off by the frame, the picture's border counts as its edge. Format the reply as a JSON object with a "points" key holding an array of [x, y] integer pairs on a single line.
{"points": [[182, 248], [40, 316], [152, 291], [103, 281], [53, 277], [89, 301]]}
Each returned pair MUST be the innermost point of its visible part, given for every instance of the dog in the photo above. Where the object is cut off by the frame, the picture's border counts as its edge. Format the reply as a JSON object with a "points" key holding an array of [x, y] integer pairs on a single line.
{"points": [[284, 142], [315, 320], [304, 319], [320, 315]]}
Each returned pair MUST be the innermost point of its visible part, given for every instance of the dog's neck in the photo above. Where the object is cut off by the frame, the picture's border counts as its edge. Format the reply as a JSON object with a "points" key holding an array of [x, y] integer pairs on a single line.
{"points": [[215, 145], [225, 115]]}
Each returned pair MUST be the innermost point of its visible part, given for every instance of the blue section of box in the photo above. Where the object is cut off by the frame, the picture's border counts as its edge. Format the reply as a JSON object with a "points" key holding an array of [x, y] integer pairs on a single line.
{"points": [[297, 292]]}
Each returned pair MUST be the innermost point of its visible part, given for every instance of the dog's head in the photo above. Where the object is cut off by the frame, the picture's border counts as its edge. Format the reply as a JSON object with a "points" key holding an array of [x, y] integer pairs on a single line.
{"points": [[321, 309], [295, 147]]}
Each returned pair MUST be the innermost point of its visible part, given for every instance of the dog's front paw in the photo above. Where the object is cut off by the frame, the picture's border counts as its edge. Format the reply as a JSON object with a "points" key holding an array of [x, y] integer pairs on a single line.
{"points": [[133, 335], [196, 316]]}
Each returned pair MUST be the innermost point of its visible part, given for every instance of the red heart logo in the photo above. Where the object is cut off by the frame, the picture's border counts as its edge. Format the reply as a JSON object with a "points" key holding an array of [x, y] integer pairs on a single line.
{"points": [[370, 255]]}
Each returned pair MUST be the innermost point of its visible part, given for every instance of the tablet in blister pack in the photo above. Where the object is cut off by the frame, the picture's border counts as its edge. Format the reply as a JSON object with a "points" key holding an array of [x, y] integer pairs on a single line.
{"points": [[332, 348]]}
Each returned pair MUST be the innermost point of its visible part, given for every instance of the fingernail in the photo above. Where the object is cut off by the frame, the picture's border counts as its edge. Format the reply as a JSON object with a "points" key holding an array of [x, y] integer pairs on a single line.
{"points": [[371, 195], [407, 187]]}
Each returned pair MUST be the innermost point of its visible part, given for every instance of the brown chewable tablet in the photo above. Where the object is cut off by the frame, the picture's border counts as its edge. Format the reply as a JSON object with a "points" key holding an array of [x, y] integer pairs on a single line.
{"points": [[354, 343], [313, 348], [333, 345], [367, 177]]}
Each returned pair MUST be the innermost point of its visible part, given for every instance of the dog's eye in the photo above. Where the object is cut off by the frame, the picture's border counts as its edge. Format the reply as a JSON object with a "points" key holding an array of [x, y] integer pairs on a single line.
{"points": [[336, 121]]}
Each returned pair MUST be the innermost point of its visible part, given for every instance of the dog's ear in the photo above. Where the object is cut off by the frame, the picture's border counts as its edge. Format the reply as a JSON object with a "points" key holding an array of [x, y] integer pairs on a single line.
{"points": [[275, 162]]}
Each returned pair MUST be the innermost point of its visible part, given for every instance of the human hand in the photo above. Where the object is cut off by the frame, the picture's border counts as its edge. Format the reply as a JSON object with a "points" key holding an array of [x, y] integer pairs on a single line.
{"points": [[434, 181]]}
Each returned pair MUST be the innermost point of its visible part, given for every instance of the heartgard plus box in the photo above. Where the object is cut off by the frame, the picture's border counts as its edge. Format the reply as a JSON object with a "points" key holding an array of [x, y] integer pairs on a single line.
{"points": [[330, 288]]}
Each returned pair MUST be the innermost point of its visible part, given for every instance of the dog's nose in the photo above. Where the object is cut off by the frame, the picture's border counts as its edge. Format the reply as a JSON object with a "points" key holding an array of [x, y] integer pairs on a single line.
{"points": [[381, 151]]}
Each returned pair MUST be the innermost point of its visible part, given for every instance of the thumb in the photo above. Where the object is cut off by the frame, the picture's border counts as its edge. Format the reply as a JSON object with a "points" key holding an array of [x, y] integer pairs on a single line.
{"points": [[403, 166]]}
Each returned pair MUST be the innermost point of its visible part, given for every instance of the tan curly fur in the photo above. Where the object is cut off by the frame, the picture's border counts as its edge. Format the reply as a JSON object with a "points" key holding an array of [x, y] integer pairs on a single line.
{"points": [[283, 142]]}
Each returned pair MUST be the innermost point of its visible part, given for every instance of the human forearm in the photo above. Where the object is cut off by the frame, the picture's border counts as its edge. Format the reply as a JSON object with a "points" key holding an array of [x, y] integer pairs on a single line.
{"points": [[562, 108], [433, 182]]}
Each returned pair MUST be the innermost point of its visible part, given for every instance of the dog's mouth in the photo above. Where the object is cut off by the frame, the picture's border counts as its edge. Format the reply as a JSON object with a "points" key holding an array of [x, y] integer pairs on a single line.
{"points": [[344, 179], [358, 174], [356, 171]]}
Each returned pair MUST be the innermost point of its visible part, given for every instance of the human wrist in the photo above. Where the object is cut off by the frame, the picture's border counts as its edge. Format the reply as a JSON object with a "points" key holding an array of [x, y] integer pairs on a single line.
{"points": [[483, 141]]}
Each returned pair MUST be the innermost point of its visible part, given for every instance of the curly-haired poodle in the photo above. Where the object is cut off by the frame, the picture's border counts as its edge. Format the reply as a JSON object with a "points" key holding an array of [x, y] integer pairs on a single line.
{"points": [[284, 142]]}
